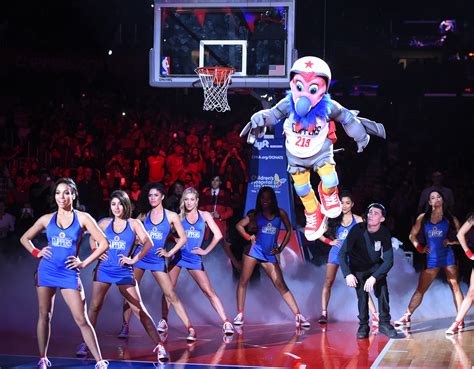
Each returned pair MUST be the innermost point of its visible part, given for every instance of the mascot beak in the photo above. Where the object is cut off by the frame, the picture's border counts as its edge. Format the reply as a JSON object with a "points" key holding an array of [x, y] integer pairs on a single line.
{"points": [[303, 106]]}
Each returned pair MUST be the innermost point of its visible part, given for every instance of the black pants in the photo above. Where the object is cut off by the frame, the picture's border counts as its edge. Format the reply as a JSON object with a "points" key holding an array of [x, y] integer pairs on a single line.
{"points": [[381, 293]]}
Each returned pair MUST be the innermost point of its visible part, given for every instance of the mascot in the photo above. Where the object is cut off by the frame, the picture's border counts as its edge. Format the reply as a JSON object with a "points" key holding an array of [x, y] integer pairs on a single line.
{"points": [[307, 111]]}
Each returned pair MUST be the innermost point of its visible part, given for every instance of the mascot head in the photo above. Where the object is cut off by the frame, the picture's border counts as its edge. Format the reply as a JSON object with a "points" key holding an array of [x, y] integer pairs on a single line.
{"points": [[310, 79]]}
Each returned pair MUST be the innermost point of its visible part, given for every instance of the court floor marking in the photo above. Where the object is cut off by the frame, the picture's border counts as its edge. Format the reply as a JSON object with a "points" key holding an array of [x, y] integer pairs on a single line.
{"points": [[382, 354]]}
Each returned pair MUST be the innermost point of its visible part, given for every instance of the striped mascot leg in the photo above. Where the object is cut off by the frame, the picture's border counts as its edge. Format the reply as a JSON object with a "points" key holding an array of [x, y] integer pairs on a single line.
{"points": [[316, 222]]}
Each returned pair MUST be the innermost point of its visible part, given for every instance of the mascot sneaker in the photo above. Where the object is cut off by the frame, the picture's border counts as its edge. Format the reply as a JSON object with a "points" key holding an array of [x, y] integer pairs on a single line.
{"points": [[331, 205], [316, 224]]}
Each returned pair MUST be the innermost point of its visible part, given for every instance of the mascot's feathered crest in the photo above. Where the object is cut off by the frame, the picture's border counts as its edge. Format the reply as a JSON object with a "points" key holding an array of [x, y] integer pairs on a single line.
{"points": [[321, 110]]}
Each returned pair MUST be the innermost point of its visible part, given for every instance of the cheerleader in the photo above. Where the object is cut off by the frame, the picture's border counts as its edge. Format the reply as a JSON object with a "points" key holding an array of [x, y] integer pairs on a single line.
{"points": [[190, 256], [436, 225], [158, 223], [59, 266], [263, 249], [465, 237], [115, 267]]}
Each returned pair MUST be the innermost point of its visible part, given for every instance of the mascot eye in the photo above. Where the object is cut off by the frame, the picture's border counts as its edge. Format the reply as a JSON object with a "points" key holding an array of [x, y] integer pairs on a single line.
{"points": [[299, 86], [313, 89]]}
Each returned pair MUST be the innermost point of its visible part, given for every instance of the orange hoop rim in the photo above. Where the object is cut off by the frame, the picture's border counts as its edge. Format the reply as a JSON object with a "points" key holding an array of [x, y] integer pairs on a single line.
{"points": [[215, 69], [215, 81]]}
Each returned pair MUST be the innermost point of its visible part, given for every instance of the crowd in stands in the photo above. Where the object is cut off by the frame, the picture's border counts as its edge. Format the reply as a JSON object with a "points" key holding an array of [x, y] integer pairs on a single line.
{"points": [[104, 155]]}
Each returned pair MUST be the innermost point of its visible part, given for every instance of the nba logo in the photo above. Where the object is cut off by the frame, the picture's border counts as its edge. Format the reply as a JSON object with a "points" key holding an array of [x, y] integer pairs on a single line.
{"points": [[165, 66]]}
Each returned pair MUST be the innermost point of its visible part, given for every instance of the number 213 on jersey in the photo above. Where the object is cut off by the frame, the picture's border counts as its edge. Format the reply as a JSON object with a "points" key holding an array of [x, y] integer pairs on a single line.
{"points": [[303, 142]]}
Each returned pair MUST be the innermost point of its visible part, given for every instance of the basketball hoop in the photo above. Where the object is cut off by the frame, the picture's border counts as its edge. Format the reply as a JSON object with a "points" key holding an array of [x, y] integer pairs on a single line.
{"points": [[215, 82]]}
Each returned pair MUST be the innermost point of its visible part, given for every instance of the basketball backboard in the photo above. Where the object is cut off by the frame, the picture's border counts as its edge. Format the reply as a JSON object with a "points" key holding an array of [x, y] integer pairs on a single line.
{"points": [[254, 37]]}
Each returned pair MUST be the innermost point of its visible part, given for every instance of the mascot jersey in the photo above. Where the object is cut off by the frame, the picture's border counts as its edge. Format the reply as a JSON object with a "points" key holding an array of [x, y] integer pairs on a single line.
{"points": [[305, 143], [266, 239], [158, 234], [440, 255], [109, 270], [65, 242], [341, 235], [195, 234]]}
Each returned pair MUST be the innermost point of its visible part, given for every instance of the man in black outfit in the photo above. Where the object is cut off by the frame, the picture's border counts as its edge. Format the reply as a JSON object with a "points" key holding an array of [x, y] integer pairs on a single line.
{"points": [[365, 259]]}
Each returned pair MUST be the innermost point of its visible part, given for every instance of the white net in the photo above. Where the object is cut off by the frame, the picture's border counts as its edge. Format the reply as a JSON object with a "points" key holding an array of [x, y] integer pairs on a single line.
{"points": [[215, 82]]}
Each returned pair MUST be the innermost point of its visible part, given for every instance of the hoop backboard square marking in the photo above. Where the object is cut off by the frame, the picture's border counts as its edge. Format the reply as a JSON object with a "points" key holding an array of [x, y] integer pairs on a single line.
{"points": [[276, 70], [242, 43]]}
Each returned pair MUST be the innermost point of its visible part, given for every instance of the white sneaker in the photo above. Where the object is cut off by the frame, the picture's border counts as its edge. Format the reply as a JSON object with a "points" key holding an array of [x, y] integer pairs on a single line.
{"points": [[375, 319], [161, 353], [456, 327], [239, 319], [82, 350], [162, 326], [191, 335], [103, 364], [124, 331], [44, 363], [228, 329], [301, 321], [404, 321]]}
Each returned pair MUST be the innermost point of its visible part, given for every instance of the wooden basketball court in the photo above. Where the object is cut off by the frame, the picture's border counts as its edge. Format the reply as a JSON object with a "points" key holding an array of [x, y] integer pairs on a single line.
{"points": [[261, 346]]}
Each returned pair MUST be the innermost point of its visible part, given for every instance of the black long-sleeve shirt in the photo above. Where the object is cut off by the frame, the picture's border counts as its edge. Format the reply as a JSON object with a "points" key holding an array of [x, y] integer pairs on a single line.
{"points": [[363, 251]]}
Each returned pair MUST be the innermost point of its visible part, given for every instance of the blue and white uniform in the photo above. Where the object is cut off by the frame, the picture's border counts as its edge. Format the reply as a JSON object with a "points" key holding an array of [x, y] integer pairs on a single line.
{"points": [[341, 234], [158, 234], [110, 270], [267, 237], [195, 233], [65, 242], [440, 255]]}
